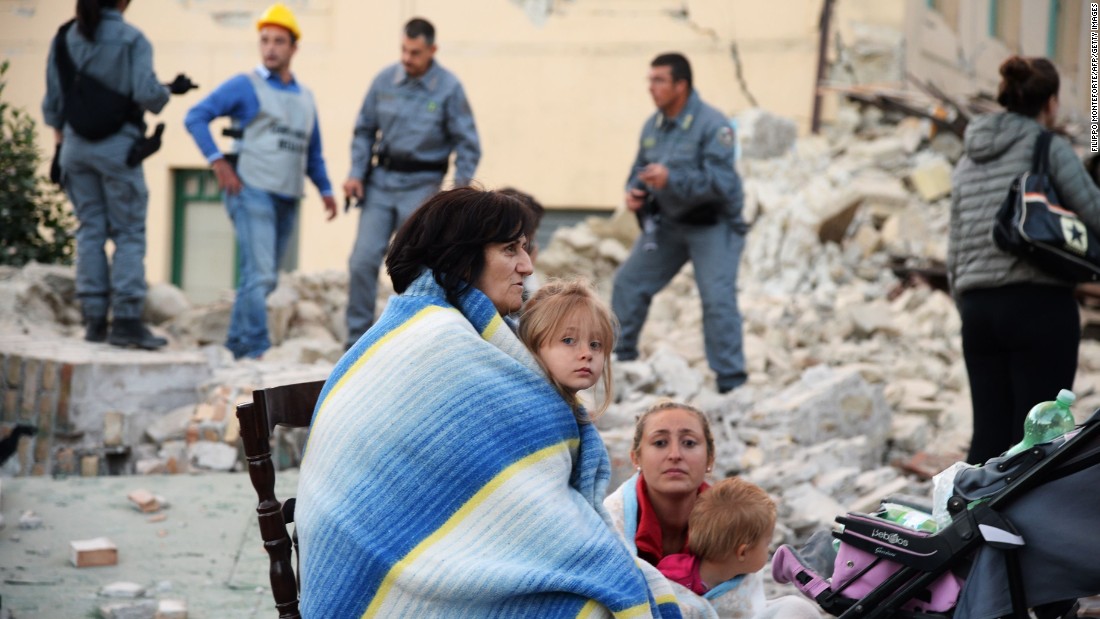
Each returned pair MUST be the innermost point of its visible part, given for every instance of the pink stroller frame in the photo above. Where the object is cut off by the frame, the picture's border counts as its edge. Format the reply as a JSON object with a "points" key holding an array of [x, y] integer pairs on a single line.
{"points": [[887, 571]]}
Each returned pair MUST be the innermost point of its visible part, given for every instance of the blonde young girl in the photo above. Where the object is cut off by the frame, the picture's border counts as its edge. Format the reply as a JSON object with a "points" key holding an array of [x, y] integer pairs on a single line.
{"points": [[571, 333]]}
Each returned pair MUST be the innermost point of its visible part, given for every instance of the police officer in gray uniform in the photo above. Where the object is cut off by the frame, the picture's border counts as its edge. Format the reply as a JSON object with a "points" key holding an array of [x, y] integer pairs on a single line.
{"points": [[688, 198], [109, 195], [414, 115]]}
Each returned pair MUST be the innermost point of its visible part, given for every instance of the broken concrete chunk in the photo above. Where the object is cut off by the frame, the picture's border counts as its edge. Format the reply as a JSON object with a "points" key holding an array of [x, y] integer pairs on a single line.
{"points": [[122, 589], [170, 426], [212, 456], [932, 179], [30, 520], [94, 552]]}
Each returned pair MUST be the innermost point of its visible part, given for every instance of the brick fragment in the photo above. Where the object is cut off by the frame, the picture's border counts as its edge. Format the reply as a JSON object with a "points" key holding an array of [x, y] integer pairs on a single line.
{"points": [[144, 500], [94, 552]]}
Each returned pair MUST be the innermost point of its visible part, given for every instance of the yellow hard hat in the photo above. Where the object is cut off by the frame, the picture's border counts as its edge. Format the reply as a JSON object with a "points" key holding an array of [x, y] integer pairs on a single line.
{"points": [[279, 15]]}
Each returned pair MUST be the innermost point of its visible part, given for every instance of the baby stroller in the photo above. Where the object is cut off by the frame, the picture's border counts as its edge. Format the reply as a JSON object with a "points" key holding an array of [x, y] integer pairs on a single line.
{"points": [[1023, 534]]}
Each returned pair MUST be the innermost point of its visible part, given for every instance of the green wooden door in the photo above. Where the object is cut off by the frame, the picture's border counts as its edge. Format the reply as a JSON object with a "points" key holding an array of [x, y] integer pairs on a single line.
{"points": [[204, 247]]}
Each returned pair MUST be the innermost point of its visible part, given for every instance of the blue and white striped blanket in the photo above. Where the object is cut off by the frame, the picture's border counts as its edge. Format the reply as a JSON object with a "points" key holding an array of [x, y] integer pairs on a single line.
{"points": [[444, 477]]}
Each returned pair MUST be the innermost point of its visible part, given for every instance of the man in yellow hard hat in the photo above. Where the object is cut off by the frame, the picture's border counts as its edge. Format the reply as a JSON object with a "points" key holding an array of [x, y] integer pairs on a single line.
{"points": [[278, 142]]}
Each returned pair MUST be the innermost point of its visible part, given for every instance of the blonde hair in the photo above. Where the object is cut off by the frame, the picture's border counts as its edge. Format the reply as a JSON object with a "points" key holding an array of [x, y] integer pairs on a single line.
{"points": [[668, 405], [731, 513], [545, 313]]}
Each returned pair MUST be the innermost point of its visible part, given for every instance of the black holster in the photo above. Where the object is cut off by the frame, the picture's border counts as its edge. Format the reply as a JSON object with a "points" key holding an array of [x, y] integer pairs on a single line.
{"points": [[145, 147], [55, 165]]}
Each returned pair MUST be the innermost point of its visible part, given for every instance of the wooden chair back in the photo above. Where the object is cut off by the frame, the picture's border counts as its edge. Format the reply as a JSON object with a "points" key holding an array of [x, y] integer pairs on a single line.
{"points": [[291, 406]]}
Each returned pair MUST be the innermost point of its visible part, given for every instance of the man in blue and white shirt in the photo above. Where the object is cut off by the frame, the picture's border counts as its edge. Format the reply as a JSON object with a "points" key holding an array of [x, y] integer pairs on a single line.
{"points": [[414, 116], [278, 143]]}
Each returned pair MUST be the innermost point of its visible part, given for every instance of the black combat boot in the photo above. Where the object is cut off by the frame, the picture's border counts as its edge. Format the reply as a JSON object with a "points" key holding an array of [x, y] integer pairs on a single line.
{"points": [[129, 332], [95, 328]]}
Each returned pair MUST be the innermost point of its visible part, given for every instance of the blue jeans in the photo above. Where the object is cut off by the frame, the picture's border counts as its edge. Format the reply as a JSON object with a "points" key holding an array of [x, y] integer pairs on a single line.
{"points": [[110, 200], [263, 223], [715, 252]]}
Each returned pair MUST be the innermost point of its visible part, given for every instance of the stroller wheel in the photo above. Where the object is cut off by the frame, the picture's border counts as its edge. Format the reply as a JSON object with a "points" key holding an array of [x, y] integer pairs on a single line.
{"points": [[1066, 609]]}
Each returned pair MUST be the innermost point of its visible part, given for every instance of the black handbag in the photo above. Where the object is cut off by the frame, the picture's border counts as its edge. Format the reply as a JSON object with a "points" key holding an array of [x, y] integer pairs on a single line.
{"points": [[91, 108], [1032, 224]]}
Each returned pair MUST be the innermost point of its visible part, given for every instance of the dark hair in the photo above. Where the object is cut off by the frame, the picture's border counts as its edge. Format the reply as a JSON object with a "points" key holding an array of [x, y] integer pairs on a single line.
{"points": [[448, 235], [418, 27], [528, 200], [679, 65], [1027, 84], [88, 15]]}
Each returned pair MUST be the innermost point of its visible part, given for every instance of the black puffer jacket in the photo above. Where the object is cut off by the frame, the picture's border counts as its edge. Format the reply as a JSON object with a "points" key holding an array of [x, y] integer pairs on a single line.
{"points": [[998, 147]]}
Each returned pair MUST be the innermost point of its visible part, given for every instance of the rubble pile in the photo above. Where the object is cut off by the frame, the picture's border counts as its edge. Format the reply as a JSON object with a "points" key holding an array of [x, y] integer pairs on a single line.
{"points": [[855, 366]]}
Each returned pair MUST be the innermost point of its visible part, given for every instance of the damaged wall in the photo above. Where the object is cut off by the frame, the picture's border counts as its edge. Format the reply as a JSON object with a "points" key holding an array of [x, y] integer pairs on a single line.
{"points": [[559, 100]]}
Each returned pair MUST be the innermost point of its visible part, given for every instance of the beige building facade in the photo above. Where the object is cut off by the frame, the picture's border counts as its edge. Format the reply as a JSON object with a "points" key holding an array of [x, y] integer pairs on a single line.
{"points": [[557, 87]]}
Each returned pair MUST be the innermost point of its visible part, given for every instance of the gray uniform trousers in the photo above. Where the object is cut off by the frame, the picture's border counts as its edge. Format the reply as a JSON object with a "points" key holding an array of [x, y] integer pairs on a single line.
{"points": [[715, 252], [383, 212], [110, 200]]}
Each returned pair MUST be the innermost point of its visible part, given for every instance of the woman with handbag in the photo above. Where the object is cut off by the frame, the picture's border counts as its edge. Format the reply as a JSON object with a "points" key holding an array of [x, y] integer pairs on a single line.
{"points": [[1020, 325]]}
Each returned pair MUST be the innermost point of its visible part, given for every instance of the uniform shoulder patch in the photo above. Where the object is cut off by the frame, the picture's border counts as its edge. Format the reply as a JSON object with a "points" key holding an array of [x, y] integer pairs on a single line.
{"points": [[726, 136]]}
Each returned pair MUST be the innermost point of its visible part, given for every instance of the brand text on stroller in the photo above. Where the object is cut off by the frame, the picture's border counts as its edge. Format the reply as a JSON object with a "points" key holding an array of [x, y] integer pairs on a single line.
{"points": [[890, 537]]}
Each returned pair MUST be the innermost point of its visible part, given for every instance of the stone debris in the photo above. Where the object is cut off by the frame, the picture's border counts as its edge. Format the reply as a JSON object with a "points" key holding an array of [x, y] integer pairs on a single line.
{"points": [[29, 520], [123, 589]]}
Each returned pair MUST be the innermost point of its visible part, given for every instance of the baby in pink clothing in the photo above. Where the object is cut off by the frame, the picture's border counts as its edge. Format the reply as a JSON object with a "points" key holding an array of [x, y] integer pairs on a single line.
{"points": [[730, 529]]}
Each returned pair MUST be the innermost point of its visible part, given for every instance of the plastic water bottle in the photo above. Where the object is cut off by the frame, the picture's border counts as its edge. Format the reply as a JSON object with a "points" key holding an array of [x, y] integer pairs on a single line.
{"points": [[1046, 421], [908, 517]]}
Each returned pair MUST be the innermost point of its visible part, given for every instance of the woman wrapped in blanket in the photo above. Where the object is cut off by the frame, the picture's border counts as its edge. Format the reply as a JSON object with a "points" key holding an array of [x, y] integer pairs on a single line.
{"points": [[444, 475], [673, 450]]}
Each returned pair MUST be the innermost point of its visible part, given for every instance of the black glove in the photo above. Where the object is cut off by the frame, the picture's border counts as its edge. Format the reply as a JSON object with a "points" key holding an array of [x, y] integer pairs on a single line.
{"points": [[55, 165], [145, 147], [181, 84]]}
